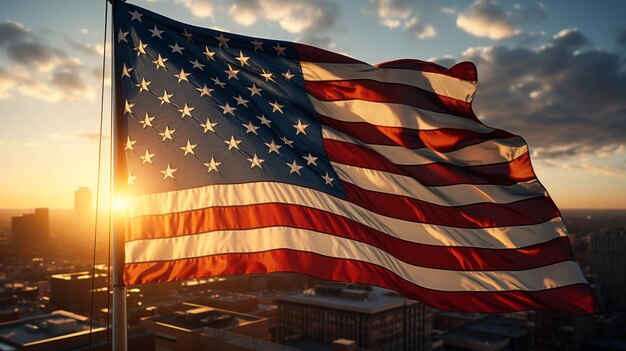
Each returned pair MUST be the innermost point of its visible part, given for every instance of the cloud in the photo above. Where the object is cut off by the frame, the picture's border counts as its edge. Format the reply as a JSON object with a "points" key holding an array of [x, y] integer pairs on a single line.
{"points": [[564, 100], [402, 14], [12, 31], [484, 18], [294, 16], [620, 39], [521, 14], [199, 8]]}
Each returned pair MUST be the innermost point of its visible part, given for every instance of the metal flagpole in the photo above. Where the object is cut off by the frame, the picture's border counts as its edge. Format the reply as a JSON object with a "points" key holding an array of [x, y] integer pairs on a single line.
{"points": [[118, 172]]}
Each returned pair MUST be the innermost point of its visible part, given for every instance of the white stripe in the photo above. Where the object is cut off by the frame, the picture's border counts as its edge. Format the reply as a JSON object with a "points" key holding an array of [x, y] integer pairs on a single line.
{"points": [[450, 195], [487, 152], [437, 83], [266, 192], [393, 115], [265, 239]]}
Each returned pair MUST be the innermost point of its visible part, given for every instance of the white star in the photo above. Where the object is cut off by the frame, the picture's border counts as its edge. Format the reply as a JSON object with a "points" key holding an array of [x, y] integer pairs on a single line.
{"points": [[294, 167], [242, 59], [147, 157], [212, 166], [128, 107], [204, 91], [300, 128], [233, 143], [165, 98], [121, 36], [256, 161], [186, 111], [126, 71], [130, 143], [310, 160], [223, 41], [276, 106], [136, 16], [288, 75], [228, 109], [169, 172], [267, 76], [147, 121], [264, 120], [197, 64], [188, 149], [209, 54], [328, 180], [279, 49], [167, 133], [176, 48], [160, 62], [140, 48], [258, 45], [155, 32], [273, 147], [232, 73], [182, 75], [287, 141], [187, 35], [217, 82], [254, 90], [131, 179], [208, 126], [143, 85], [250, 128], [241, 101]]}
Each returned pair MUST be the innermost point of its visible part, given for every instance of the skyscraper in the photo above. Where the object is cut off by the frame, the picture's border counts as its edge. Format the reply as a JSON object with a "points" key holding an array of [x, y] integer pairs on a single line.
{"points": [[82, 204], [30, 232]]}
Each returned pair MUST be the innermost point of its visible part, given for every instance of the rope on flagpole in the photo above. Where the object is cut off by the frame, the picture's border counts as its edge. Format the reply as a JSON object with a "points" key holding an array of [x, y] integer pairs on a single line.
{"points": [[95, 230]]}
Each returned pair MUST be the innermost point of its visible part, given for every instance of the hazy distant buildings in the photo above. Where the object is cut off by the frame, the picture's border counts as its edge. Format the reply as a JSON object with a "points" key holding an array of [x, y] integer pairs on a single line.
{"points": [[30, 233], [375, 318], [607, 259]]}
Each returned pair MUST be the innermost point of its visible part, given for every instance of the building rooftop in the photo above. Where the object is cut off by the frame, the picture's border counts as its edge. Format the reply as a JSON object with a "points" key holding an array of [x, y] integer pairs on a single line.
{"points": [[198, 317], [58, 324], [474, 341], [361, 299], [489, 327]]}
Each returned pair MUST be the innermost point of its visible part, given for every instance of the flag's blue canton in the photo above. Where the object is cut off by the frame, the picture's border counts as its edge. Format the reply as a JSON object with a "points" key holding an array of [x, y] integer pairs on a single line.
{"points": [[186, 105]]}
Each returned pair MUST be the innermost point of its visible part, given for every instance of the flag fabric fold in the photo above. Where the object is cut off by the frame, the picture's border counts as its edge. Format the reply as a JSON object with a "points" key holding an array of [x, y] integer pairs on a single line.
{"points": [[247, 155]]}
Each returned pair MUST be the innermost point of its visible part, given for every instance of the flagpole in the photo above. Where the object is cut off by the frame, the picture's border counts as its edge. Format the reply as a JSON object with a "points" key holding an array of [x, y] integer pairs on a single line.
{"points": [[118, 313]]}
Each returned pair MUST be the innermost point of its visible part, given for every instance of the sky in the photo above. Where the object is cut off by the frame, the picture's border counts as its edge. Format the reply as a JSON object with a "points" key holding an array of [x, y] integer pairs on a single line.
{"points": [[553, 72]]}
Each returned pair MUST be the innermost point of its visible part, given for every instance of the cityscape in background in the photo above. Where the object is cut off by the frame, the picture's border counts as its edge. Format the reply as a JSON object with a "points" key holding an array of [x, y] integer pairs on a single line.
{"points": [[51, 296]]}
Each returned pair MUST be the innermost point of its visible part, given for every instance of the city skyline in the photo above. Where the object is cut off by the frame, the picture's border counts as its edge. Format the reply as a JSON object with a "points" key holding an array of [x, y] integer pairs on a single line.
{"points": [[552, 72]]}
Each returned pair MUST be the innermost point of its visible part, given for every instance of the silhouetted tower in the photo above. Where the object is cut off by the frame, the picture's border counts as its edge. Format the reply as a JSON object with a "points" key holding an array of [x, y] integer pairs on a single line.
{"points": [[30, 232]]}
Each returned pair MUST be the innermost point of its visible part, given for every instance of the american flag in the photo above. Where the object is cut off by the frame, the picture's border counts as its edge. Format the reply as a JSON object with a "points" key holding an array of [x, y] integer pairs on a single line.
{"points": [[248, 155]]}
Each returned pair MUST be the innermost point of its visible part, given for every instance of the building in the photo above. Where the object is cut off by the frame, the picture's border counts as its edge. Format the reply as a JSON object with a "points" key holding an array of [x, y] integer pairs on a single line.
{"points": [[72, 291], [64, 331], [607, 261], [375, 318], [30, 233], [558, 331], [181, 329], [82, 204]]}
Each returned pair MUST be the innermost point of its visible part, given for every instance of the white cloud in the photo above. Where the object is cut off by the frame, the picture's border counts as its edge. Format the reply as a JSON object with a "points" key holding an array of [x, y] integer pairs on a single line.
{"points": [[484, 18], [420, 29], [402, 14], [199, 8], [294, 16]]}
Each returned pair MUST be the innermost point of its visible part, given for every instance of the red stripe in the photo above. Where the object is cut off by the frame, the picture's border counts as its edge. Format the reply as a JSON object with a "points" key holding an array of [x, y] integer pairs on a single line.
{"points": [[375, 91], [463, 70], [312, 54], [433, 174], [481, 215], [442, 140], [577, 299], [271, 215]]}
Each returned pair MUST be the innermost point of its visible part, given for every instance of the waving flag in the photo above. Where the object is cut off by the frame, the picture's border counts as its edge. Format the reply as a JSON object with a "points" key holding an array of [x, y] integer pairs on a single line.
{"points": [[248, 155]]}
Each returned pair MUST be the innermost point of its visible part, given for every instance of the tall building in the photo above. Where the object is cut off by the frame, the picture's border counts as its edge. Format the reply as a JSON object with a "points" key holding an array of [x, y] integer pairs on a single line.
{"points": [[30, 232], [607, 261], [375, 318], [82, 204]]}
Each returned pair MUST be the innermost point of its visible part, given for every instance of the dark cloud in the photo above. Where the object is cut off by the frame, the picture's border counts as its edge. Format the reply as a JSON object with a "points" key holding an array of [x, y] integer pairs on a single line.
{"points": [[36, 55], [620, 39], [11, 32], [564, 101]]}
